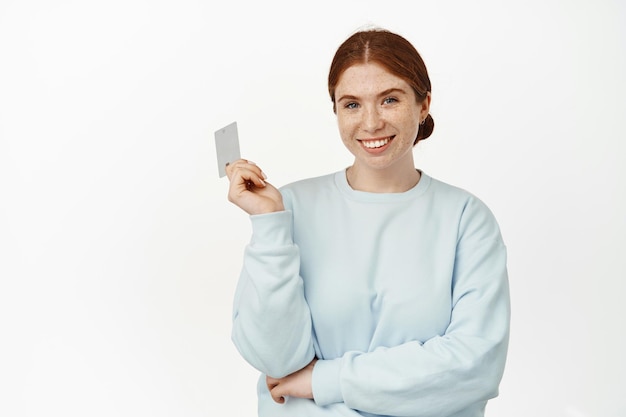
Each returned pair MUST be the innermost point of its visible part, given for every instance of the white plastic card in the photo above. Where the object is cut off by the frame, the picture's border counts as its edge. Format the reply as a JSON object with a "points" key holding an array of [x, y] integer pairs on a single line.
{"points": [[227, 147]]}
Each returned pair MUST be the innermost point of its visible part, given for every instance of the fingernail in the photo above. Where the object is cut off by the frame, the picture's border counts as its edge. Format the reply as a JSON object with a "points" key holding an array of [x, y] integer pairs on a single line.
{"points": [[264, 176], [251, 163]]}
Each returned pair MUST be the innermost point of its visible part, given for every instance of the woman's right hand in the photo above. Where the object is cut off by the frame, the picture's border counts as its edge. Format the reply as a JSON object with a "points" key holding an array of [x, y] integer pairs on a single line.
{"points": [[249, 190]]}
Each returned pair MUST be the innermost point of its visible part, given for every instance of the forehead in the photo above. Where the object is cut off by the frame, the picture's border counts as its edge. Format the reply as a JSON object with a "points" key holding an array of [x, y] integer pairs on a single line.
{"points": [[368, 79]]}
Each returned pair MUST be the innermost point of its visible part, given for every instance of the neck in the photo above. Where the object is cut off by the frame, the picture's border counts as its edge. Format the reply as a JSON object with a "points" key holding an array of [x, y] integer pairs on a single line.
{"points": [[383, 181]]}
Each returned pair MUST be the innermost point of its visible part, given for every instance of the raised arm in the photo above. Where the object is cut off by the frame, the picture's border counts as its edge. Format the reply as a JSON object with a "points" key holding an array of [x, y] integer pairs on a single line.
{"points": [[271, 319]]}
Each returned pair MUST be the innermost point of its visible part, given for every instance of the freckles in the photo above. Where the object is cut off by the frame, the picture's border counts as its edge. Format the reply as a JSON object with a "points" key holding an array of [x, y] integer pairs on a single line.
{"points": [[344, 134], [346, 126]]}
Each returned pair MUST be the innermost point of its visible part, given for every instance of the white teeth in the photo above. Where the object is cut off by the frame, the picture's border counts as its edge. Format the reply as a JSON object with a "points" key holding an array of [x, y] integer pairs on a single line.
{"points": [[375, 143]]}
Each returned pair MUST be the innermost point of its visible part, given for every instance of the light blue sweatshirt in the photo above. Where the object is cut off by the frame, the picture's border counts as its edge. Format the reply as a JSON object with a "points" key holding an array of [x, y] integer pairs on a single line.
{"points": [[403, 298]]}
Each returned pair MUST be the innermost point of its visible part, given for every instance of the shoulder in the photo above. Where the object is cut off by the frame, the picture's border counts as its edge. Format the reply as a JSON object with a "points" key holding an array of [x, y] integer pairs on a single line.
{"points": [[456, 196], [444, 190], [453, 200], [309, 190], [308, 184], [474, 216]]}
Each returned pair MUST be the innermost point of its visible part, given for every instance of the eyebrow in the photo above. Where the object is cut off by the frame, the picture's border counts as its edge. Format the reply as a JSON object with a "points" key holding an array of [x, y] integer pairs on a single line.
{"points": [[381, 94]]}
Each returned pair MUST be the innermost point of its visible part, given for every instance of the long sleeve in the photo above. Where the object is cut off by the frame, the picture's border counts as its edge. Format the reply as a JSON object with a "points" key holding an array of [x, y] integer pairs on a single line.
{"points": [[402, 297], [271, 319], [448, 373]]}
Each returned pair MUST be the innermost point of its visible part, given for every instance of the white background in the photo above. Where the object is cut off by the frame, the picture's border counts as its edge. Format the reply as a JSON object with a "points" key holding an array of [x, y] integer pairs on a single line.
{"points": [[119, 252]]}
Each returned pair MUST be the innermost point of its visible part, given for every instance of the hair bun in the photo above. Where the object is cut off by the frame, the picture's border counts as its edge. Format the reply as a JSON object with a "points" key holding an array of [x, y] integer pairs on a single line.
{"points": [[426, 129]]}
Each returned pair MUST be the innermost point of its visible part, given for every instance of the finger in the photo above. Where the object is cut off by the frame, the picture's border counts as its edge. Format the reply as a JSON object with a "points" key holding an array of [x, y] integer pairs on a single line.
{"points": [[230, 166], [245, 176], [243, 164], [249, 181], [277, 395], [271, 383]]}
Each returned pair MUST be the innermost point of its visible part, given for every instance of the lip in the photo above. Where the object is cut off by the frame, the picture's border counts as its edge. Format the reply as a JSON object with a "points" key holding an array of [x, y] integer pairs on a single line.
{"points": [[376, 150]]}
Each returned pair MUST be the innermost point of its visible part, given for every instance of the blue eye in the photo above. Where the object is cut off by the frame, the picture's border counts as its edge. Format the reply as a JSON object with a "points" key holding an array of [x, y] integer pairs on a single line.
{"points": [[351, 105], [390, 100]]}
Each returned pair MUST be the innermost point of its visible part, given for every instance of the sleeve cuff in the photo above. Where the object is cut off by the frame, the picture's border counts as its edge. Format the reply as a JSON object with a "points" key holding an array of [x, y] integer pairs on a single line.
{"points": [[272, 229], [325, 382]]}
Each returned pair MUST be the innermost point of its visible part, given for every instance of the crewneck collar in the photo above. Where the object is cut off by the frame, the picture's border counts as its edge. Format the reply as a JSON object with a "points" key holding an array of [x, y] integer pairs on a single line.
{"points": [[365, 196]]}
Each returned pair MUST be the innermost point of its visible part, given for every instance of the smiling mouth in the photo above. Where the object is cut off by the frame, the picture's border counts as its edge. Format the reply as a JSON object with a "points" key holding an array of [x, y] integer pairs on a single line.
{"points": [[376, 143]]}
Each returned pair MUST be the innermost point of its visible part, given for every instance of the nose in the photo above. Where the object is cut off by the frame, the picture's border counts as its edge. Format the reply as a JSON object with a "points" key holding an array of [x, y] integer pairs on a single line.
{"points": [[372, 119]]}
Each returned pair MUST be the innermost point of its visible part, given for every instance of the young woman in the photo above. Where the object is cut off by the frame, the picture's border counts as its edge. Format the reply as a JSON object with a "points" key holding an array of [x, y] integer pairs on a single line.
{"points": [[376, 290]]}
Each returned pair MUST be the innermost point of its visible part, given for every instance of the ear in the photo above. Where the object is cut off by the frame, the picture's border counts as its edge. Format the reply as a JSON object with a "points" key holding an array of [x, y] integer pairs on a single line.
{"points": [[425, 106]]}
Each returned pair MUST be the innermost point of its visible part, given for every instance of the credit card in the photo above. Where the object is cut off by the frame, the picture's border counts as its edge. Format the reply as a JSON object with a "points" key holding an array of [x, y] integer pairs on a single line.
{"points": [[227, 147]]}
